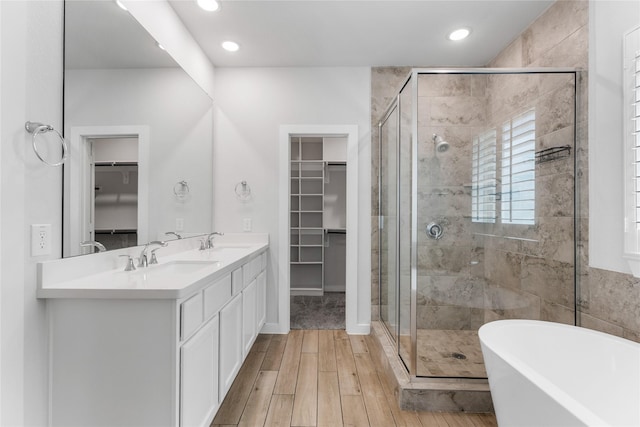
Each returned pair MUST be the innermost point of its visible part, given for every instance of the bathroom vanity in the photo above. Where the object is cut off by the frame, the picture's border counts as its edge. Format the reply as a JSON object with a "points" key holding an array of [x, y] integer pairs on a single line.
{"points": [[158, 346]]}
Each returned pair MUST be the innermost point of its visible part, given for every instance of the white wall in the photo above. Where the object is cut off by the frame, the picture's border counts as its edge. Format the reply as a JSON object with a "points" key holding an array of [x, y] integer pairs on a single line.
{"points": [[250, 106], [159, 19], [180, 118], [608, 22], [30, 192]]}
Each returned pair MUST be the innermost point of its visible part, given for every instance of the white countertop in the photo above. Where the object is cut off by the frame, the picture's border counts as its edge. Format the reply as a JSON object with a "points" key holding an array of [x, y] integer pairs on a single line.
{"points": [[181, 271]]}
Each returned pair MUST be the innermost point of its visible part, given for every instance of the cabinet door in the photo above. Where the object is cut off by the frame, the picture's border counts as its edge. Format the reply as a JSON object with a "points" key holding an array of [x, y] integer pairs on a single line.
{"points": [[199, 376], [248, 316], [261, 308], [230, 343]]}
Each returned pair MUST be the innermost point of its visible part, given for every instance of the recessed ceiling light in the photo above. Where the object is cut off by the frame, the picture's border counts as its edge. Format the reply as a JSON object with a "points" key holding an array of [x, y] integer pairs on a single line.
{"points": [[230, 46], [120, 5], [208, 5], [459, 34]]}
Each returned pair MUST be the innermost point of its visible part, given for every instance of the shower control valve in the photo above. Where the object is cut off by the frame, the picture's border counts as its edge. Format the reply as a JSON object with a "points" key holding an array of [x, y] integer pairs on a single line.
{"points": [[435, 230]]}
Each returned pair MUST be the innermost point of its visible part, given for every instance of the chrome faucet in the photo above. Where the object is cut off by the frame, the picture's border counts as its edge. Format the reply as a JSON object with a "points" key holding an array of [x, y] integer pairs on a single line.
{"points": [[142, 261], [173, 233], [210, 238], [94, 244]]}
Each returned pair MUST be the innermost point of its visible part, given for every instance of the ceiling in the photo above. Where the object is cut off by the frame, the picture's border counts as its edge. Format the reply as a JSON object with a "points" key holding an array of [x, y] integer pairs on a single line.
{"points": [[98, 34], [320, 33]]}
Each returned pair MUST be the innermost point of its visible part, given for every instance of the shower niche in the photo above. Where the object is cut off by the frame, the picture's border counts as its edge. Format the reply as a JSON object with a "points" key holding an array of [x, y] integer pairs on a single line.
{"points": [[477, 220]]}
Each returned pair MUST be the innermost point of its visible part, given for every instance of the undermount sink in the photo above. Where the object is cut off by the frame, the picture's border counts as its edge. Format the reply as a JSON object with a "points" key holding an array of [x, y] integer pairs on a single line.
{"points": [[174, 267]]}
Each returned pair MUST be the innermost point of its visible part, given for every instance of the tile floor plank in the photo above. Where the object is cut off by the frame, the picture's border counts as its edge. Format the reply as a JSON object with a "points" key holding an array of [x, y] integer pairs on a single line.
{"points": [[484, 420], [358, 344], [310, 341], [262, 342], [280, 411], [432, 419], [374, 399], [402, 418], [255, 412], [457, 419], [335, 385], [326, 351], [305, 404], [354, 413], [288, 374], [233, 404], [347, 375], [273, 358], [329, 407]]}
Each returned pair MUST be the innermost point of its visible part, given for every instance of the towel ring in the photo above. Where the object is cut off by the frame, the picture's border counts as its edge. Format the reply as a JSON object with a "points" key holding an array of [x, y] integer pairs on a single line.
{"points": [[243, 191], [35, 129], [181, 190]]}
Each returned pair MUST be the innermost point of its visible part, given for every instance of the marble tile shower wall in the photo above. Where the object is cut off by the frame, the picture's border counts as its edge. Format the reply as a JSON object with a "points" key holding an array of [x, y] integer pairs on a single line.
{"points": [[480, 272], [450, 290], [608, 301]]}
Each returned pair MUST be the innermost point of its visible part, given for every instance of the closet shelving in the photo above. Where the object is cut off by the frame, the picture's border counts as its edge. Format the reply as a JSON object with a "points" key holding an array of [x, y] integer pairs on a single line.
{"points": [[307, 210], [316, 209]]}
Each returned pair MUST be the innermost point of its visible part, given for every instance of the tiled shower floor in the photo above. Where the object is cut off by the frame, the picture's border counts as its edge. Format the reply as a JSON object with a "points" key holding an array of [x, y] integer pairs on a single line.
{"points": [[447, 353]]}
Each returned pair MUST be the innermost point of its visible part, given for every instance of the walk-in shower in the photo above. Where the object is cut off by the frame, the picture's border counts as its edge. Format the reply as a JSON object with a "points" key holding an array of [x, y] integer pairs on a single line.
{"points": [[477, 217]]}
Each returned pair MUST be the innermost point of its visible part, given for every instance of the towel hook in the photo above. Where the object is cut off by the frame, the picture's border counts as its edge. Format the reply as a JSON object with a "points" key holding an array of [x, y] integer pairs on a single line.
{"points": [[35, 128]]}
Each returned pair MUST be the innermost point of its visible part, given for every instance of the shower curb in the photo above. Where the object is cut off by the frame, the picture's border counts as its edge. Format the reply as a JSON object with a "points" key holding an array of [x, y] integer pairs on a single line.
{"points": [[425, 394]]}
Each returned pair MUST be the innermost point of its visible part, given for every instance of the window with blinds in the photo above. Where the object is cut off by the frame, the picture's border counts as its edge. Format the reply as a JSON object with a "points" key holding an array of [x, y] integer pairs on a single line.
{"points": [[518, 169], [631, 96], [483, 190], [635, 131]]}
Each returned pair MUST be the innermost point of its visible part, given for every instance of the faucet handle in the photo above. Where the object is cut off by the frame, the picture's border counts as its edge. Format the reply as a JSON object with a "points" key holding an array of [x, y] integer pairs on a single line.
{"points": [[154, 259], [130, 266], [203, 245]]}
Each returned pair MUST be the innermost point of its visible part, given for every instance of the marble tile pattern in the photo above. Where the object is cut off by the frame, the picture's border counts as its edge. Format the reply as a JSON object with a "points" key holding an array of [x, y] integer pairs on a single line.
{"points": [[448, 353], [607, 301], [481, 272]]}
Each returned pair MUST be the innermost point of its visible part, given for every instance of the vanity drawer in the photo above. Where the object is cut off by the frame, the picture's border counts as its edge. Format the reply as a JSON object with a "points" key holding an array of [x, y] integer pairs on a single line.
{"points": [[251, 269], [190, 315], [216, 296], [236, 281]]}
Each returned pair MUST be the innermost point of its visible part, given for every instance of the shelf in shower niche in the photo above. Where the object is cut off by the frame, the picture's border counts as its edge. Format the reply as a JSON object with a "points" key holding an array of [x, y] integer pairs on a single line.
{"points": [[553, 153]]}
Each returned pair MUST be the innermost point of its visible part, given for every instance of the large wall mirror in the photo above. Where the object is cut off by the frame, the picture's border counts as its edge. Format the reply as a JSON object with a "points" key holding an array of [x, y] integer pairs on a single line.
{"points": [[140, 136]]}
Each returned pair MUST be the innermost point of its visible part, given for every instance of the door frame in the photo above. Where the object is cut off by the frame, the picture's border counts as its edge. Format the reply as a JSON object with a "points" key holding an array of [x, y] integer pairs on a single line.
{"points": [[76, 184], [284, 200]]}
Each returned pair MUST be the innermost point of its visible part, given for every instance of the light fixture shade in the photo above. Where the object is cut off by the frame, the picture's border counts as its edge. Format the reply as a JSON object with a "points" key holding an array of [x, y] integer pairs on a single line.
{"points": [[230, 46], [459, 34], [208, 5]]}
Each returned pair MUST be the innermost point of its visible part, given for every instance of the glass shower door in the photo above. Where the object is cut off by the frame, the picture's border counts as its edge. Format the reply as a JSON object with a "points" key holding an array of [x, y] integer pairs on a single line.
{"points": [[388, 222]]}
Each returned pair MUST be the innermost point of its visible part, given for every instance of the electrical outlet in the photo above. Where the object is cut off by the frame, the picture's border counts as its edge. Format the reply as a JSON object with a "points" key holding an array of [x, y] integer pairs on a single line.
{"points": [[246, 224], [40, 239], [179, 224]]}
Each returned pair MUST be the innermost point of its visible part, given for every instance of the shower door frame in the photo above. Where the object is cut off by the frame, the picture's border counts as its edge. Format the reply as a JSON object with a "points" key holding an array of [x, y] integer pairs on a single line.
{"points": [[412, 78]]}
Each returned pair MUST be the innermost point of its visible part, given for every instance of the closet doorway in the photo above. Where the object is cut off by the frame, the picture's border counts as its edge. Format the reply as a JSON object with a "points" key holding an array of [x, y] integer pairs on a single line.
{"points": [[318, 231], [113, 193], [106, 184]]}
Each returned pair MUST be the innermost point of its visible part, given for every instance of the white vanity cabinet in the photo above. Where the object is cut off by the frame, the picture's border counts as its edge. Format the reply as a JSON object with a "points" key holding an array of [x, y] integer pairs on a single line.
{"points": [[199, 376], [231, 342], [154, 361]]}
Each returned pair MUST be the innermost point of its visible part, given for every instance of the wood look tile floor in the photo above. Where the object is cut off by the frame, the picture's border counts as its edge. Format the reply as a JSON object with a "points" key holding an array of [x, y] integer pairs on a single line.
{"points": [[321, 378]]}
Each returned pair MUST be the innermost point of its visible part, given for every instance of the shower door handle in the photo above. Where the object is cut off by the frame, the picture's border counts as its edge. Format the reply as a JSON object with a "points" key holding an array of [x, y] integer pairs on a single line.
{"points": [[435, 230]]}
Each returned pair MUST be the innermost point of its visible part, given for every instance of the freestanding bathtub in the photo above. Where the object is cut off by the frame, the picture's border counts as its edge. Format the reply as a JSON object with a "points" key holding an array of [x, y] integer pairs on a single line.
{"points": [[550, 374]]}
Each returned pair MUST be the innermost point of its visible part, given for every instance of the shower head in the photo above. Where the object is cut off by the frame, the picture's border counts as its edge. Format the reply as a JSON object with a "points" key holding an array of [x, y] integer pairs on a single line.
{"points": [[441, 144]]}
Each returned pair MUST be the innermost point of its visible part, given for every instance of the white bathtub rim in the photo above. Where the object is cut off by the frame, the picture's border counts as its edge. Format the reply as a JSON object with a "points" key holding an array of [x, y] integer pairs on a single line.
{"points": [[583, 413]]}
